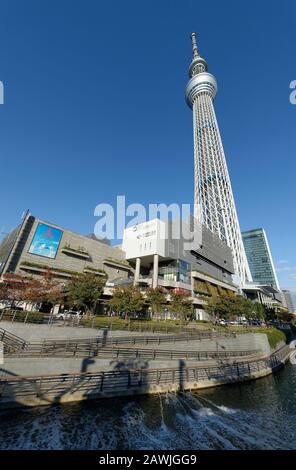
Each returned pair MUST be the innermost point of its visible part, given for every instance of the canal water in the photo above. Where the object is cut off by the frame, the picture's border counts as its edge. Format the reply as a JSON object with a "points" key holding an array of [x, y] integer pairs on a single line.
{"points": [[255, 415]]}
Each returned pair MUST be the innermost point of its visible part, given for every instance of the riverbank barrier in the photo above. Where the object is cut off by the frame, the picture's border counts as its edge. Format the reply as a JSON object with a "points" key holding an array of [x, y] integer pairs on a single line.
{"points": [[147, 348], [124, 380], [38, 335]]}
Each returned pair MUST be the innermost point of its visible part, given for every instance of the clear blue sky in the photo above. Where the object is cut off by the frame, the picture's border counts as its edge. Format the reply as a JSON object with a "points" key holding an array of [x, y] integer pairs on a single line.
{"points": [[94, 107]]}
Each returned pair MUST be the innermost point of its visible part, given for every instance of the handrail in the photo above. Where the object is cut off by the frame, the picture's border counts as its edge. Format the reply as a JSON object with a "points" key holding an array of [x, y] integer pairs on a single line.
{"points": [[265, 361], [12, 341], [103, 341], [141, 339], [87, 345], [44, 349], [135, 379]]}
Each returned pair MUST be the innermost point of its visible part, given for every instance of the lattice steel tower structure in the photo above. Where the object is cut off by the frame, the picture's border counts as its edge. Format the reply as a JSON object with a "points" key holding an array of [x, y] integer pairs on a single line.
{"points": [[213, 192]]}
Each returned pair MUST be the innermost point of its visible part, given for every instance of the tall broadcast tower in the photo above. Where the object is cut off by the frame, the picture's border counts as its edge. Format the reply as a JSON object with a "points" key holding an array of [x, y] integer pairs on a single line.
{"points": [[212, 192]]}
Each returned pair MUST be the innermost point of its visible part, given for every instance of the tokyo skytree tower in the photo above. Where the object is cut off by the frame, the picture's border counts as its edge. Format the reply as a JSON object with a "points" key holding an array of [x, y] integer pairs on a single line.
{"points": [[212, 192]]}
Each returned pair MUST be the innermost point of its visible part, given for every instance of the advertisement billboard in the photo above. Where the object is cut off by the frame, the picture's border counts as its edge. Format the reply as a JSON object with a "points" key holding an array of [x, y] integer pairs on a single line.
{"points": [[46, 241]]}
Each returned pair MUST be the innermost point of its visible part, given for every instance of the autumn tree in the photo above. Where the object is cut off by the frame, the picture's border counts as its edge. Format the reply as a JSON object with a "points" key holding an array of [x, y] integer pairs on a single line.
{"points": [[52, 289], [33, 290], [45, 288], [14, 290], [3, 291]]}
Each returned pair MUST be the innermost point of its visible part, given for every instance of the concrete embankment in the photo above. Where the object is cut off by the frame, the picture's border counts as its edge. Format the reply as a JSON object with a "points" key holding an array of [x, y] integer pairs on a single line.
{"points": [[50, 389], [38, 333], [32, 366], [31, 332], [33, 381]]}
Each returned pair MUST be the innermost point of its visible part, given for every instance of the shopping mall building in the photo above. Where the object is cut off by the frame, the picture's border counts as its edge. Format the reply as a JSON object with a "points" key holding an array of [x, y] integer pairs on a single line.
{"points": [[37, 246], [150, 256], [153, 254]]}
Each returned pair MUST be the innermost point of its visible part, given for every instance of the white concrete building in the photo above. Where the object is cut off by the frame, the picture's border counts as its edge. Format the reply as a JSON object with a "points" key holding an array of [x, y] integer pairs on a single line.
{"points": [[161, 260]]}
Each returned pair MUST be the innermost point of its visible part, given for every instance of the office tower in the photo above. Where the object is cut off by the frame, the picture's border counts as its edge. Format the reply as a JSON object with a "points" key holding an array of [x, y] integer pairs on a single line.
{"points": [[287, 300], [259, 258]]}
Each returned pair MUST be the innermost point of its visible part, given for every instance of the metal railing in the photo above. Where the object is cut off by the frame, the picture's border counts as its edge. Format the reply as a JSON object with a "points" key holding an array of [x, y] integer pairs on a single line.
{"points": [[12, 342], [281, 353], [81, 349], [158, 339], [20, 316], [132, 380], [87, 345]]}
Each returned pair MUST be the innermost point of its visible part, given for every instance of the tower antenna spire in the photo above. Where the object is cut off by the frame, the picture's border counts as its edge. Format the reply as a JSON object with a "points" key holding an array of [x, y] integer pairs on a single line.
{"points": [[194, 45]]}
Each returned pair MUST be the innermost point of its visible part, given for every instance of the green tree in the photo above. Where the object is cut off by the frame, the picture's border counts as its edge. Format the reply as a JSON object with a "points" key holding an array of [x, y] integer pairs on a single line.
{"points": [[242, 307], [259, 311], [230, 307], [85, 290], [218, 307], [156, 298], [270, 313], [127, 299], [181, 303]]}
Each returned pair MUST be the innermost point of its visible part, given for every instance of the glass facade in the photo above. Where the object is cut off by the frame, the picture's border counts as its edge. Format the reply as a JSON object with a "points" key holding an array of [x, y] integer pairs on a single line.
{"points": [[259, 258], [175, 270]]}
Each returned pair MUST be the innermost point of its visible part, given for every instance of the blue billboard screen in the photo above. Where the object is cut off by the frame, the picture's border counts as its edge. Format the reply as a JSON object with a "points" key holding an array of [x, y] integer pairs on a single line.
{"points": [[46, 241]]}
